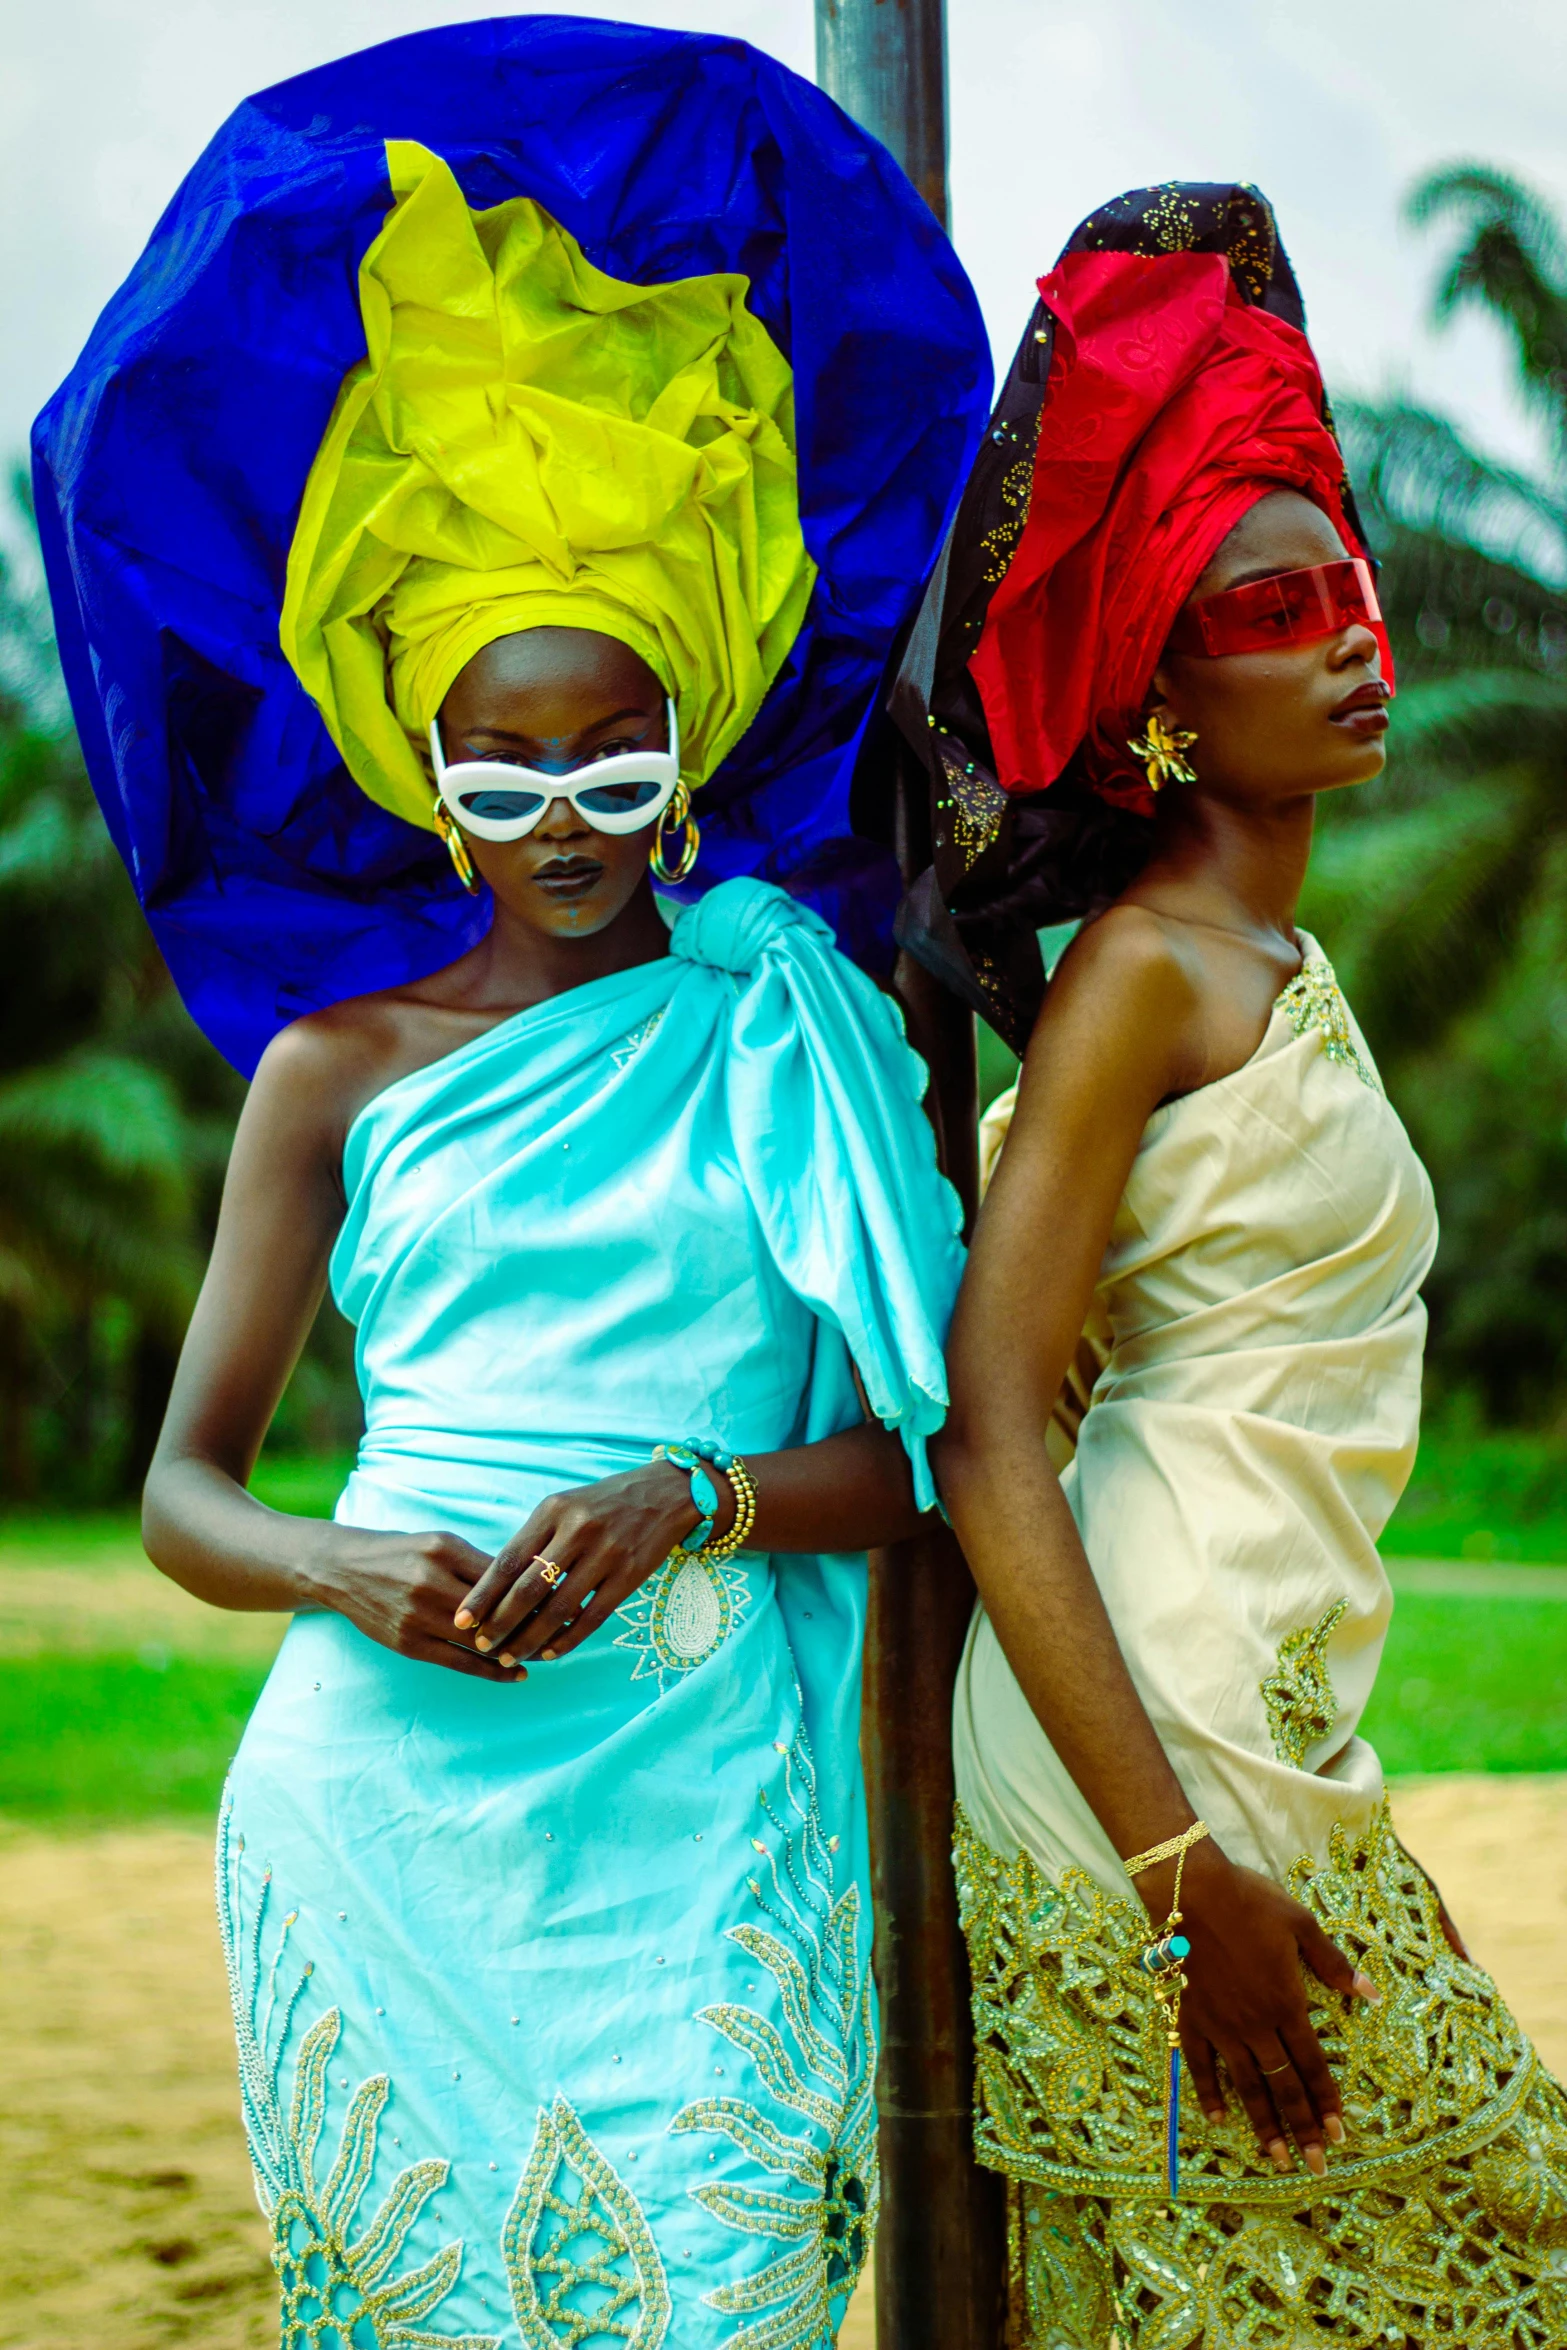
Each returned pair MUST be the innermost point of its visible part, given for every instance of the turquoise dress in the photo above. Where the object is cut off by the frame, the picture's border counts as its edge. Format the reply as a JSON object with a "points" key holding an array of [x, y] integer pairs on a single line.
{"points": [[554, 2004]]}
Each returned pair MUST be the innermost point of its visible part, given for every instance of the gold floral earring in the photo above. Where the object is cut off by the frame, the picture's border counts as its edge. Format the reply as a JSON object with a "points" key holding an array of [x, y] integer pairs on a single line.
{"points": [[450, 831], [676, 822], [1160, 750]]}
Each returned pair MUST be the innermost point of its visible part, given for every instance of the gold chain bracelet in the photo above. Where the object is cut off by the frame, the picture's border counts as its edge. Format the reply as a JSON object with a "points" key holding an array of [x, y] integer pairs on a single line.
{"points": [[1173, 1848]]}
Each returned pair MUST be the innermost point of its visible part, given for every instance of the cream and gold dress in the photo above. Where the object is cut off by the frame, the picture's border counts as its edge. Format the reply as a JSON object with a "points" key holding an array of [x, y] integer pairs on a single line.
{"points": [[1239, 1422]]}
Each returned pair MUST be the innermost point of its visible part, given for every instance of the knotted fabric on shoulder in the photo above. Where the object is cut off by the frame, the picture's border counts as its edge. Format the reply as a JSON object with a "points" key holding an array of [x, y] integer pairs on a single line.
{"points": [[839, 1163]]}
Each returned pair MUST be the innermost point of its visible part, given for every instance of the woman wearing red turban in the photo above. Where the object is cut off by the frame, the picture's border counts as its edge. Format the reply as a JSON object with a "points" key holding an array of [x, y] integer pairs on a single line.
{"points": [[1233, 2057]]}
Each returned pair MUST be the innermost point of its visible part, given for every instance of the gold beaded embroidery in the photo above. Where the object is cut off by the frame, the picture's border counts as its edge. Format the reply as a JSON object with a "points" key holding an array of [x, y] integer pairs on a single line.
{"points": [[334, 2291], [1314, 999], [823, 2071], [1443, 2222], [682, 1615], [998, 991], [1171, 220], [1017, 490], [973, 802], [1171, 223], [1254, 244], [1298, 1693], [583, 2266]]}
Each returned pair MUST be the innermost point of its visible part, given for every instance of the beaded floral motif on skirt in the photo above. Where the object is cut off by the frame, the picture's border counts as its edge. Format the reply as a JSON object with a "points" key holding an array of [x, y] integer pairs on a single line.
{"points": [[583, 2267], [814, 2126], [1442, 2221], [682, 1616], [348, 2278]]}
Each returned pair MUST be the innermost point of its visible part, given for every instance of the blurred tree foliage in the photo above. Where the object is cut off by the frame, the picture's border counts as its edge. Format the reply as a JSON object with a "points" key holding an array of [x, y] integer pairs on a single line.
{"points": [[115, 1117], [1442, 894]]}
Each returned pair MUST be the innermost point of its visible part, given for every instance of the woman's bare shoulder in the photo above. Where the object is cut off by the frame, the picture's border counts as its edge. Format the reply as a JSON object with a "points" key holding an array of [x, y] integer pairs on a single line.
{"points": [[1126, 979], [1112, 1041], [1139, 975], [325, 1057], [319, 1072], [1130, 946]]}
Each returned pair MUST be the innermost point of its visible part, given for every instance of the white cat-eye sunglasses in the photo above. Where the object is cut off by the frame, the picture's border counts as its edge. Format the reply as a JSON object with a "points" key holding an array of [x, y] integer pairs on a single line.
{"points": [[499, 801]]}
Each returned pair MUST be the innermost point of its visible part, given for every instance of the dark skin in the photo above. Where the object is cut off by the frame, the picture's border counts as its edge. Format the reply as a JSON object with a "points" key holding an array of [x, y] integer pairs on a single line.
{"points": [[571, 905], [1169, 990]]}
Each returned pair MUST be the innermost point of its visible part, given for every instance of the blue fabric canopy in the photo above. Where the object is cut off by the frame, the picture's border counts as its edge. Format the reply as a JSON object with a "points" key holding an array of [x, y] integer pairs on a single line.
{"points": [[170, 464]]}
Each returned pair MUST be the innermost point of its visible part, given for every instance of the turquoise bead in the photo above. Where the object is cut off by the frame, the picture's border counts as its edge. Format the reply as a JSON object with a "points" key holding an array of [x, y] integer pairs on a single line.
{"points": [[689, 1454]]}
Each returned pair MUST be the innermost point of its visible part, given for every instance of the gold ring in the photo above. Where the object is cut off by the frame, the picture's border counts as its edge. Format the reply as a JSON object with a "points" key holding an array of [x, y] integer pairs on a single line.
{"points": [[1268, 2070], [549, 1571]]}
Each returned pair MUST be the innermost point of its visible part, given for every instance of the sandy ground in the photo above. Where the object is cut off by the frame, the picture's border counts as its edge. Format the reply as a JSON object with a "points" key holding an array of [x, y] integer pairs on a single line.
{"points": [[128, 2221]]}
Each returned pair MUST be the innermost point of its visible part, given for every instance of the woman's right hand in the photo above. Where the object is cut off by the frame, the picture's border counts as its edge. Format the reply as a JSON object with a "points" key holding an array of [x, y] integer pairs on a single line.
{"points": [[1245, 2002], [403, 1590]]}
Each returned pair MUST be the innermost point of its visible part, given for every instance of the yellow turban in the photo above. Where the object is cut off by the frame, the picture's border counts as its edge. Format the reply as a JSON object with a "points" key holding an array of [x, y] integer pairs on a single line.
{"points": [[527, 443]]}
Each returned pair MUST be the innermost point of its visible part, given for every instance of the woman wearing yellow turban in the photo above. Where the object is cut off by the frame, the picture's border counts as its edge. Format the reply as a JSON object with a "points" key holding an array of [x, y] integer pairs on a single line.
{"points": [[543, 1868], [530, 443]]}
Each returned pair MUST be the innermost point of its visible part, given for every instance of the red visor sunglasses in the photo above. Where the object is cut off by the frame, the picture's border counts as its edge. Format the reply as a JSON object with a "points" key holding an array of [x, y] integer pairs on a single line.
{"points": [[1291, 608]]}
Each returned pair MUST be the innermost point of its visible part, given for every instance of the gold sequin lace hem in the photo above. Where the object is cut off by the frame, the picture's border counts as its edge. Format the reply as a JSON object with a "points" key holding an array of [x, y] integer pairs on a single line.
{"points": [[1442, 2222]]}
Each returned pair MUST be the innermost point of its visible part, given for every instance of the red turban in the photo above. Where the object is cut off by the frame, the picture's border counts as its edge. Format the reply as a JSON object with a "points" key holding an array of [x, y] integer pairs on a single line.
{"points": [[1172, 406]]}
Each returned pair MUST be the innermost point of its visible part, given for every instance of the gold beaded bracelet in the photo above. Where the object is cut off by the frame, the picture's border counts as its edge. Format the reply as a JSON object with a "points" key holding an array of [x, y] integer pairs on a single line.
{"points": [[744, 1485]]}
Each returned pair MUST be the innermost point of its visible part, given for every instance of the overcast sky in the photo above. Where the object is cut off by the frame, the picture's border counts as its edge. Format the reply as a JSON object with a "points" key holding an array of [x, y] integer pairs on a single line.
{"points": [[1056, 104]]}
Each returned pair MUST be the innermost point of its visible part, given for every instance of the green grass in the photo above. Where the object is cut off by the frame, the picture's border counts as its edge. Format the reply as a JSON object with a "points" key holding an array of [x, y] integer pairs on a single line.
{"points": [[1466, 1685], [1472, 1685], [1483, 1494], [301, 1484], [123, 1734], [104, 1740]]}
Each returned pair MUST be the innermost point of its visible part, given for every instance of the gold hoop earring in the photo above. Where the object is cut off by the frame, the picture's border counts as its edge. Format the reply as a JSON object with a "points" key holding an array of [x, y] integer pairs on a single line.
{"points": [[456, 847], [675, 822], [1160, 751]]}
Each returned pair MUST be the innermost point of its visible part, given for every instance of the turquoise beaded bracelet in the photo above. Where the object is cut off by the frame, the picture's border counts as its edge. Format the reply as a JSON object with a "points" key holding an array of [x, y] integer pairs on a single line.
{"points": [[693, 1454]]}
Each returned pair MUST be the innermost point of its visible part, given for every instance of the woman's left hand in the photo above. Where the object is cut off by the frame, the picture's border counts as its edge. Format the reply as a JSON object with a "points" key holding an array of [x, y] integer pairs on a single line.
{"points": [[607, 1538]]}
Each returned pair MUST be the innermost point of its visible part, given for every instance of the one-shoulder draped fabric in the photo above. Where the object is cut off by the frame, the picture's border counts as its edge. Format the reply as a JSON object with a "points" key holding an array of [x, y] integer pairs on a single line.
{"points": [[555, 2007], [1239, 1422], [1253, 1361]]}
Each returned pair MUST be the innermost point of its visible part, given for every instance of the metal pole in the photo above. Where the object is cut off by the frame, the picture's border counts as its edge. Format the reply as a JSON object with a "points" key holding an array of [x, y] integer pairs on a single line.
{"points": [[938, 2256], [885, 61]]}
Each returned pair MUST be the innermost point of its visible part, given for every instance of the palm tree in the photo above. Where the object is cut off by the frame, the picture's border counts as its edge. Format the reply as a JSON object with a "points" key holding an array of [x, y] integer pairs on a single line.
{"points": [[1444, 894]]}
